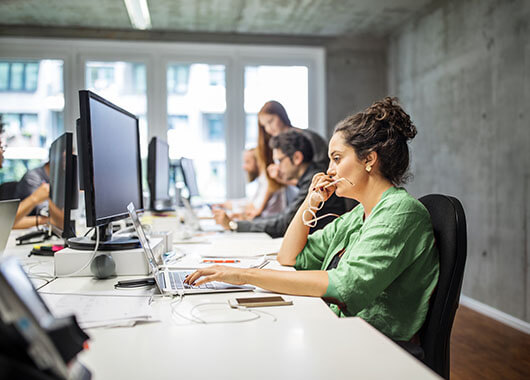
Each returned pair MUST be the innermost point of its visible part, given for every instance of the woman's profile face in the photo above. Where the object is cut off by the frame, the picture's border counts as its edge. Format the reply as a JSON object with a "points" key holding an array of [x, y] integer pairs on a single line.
{"points": [[344, 163], [272, 123]]}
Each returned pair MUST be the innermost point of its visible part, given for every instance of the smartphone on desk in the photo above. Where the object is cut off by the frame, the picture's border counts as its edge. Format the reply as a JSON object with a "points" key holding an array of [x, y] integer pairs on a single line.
{"points": [[258, 302]]}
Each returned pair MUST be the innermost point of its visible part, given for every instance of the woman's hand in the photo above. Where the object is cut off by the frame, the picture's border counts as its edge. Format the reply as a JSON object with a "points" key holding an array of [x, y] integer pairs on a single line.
{"points": [[273, 171], [320, 185], [221, 273]]}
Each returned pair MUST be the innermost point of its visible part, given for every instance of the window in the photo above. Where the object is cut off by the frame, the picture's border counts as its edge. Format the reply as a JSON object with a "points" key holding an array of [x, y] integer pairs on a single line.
{"points": [[138, 78], [196, 126], [216, 74], [177, 123], [213, 127], [112, 80], [286, 84], [251, 130], [177, 79], [99, 76], [19, 76], [32, 105]]}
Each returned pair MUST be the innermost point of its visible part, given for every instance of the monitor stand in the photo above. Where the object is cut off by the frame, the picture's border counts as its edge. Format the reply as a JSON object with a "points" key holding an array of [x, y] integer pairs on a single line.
{"points": [[106, 241]]}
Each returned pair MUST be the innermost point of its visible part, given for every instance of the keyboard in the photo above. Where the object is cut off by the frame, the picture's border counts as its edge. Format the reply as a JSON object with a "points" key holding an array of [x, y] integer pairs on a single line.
{"points": [[176, 280]]}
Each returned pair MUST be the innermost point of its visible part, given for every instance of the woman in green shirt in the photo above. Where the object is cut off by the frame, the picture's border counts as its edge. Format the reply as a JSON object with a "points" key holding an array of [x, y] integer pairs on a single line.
{"points": [[378, 261]]}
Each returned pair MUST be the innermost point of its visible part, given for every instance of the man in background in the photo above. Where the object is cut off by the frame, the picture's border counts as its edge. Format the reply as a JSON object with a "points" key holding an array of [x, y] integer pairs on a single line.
{"points": [[293, 153]]}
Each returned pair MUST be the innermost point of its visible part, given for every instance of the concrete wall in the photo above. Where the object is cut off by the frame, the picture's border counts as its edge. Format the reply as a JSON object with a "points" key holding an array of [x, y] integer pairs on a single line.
{"points": [[355, 76], [462, 70]]}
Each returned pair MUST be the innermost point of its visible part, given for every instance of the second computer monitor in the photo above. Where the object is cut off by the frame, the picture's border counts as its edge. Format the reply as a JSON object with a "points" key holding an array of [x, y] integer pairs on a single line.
{"points": [[190, 179], [158, 174], [64, 190]]}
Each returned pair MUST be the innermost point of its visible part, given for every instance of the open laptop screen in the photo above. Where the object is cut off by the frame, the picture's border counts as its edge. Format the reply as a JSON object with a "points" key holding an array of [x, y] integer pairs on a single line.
{"points": [[142, 237]]}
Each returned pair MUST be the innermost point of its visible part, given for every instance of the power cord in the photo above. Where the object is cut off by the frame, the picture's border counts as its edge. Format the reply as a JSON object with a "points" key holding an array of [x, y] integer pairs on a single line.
{"points": [[92, 256], [193, 318]]}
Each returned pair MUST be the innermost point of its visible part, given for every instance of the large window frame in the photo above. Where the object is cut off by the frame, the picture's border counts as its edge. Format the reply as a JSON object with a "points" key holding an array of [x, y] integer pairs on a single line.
{"points": [[156, 56]]}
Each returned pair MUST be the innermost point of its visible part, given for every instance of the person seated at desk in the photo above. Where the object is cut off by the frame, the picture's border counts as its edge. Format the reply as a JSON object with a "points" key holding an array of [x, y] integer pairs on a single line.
{"points": [[261, 203], [379, 261], [28, 203], [30, 182], [293, 154]]}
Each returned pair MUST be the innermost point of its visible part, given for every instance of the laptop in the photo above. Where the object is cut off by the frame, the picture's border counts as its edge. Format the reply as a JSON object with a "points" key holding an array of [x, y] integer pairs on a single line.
{"points": [[8, 211], [171, 281]]}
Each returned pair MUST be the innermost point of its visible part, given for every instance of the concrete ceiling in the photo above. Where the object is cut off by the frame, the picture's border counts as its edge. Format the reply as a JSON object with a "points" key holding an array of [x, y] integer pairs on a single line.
{"points": [[289, 17]]}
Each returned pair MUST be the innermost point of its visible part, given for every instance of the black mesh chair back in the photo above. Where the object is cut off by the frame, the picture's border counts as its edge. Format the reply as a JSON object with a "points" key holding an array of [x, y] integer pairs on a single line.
{"points": [[449, 224], [8, 190]]}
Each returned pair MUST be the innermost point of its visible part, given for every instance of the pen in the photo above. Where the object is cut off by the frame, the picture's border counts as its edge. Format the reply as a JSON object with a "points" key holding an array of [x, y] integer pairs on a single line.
{"points": [[220, 261]]}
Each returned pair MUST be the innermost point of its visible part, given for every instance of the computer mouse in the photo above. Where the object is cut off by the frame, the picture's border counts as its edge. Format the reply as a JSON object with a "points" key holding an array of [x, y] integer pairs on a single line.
{"points": [[103, 266]]}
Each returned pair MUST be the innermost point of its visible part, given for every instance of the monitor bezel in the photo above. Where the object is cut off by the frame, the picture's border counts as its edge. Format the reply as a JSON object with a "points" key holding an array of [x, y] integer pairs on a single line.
{"points": [[152, 174], [70, 186], [87, 162]]}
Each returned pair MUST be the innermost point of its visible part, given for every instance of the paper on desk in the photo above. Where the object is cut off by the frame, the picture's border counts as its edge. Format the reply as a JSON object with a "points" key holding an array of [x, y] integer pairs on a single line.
{"points": [[196, 262], [102, 310], [241, 248]]}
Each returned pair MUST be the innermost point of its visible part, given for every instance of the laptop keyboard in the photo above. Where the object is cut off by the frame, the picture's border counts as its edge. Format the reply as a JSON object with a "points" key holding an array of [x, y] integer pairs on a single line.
{"points": [[176, 280]]}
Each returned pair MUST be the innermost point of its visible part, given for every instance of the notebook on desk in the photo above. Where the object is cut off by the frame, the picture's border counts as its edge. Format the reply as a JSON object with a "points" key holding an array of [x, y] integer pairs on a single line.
{"points": [[171, 281], [8, 211]]}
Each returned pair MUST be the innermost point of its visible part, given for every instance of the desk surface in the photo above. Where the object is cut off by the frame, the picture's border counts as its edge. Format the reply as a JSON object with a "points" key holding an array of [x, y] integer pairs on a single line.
{"points": [[302, 341]]}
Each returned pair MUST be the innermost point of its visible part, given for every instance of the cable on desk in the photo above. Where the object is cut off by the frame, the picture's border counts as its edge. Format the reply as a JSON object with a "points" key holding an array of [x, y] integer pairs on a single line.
{"points": [[196, 319], [89, 260]]}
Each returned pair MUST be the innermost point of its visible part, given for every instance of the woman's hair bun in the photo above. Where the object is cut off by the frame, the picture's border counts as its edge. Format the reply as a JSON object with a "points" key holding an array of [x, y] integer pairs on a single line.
{"points": [[390, 112]]}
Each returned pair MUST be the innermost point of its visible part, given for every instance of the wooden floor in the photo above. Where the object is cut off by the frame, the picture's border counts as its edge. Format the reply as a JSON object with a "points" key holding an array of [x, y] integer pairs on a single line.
{"points": [[482, 348]]}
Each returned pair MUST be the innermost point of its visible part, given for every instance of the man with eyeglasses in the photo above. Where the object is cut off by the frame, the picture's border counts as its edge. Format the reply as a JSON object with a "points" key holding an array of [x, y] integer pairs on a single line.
{"points": [[293, 154]]}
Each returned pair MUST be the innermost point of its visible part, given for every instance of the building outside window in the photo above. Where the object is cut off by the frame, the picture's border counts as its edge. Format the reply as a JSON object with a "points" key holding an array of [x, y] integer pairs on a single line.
{"points": [[213, 125], [19, 76], [32, 105], [178, 78]]}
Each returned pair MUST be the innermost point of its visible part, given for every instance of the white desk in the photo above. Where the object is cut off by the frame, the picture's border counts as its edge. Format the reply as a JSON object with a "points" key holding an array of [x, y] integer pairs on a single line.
{"points": [[307, 341]]}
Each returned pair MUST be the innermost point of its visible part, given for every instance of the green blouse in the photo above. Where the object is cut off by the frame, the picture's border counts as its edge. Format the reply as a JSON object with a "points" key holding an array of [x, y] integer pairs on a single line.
{"points": [[389, 267]]}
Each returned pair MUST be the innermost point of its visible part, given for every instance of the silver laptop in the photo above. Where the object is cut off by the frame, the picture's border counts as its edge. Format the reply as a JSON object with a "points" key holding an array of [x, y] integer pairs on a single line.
{"points": [[171, 281], [8, 211]]}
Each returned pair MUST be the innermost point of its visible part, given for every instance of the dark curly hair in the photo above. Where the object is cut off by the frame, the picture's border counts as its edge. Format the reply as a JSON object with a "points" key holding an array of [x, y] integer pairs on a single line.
{"points": [[385, 128], [291, 142]]}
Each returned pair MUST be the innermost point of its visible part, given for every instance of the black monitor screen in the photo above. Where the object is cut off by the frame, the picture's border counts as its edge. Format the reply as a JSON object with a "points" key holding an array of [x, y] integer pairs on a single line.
{"points": [[159, 170], [188, 171], [114, 169], [63, 185]]}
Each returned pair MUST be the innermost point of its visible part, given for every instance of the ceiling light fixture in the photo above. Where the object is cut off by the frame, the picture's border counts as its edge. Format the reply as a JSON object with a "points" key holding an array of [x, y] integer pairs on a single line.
{"points": [[138, 13]]}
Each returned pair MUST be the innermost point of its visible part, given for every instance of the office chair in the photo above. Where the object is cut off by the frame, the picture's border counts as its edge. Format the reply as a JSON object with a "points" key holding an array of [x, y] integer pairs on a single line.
{"points": [[8, 190], [449, 224]]}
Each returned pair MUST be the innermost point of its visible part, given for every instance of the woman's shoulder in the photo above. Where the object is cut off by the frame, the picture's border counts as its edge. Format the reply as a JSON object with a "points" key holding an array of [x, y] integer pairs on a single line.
{"points": [[398, 202]]}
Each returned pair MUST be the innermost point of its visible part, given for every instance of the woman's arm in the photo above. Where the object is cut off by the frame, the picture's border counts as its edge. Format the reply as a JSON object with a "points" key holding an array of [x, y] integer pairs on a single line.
{"points": [[302, 283]]}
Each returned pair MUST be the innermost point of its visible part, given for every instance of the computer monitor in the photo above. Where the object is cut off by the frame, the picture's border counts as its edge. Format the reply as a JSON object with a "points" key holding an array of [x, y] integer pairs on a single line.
{"points": [[33, 339], [64, 190], [190, 179], [158, 175], [110, 171]]}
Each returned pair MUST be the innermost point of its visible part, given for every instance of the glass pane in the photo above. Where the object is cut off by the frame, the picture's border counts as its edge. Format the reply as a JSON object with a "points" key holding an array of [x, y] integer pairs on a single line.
{"points": [[123, 84], [285, 84], [17, 73], [4, 76], [196, 128], [32, 74], [32, 105]]}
